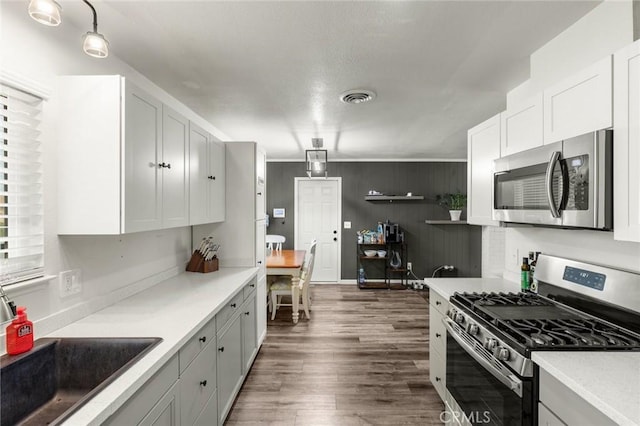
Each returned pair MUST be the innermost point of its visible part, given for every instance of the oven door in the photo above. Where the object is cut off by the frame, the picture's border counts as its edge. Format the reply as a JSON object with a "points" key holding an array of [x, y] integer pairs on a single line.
{"points": [[486, 390]]}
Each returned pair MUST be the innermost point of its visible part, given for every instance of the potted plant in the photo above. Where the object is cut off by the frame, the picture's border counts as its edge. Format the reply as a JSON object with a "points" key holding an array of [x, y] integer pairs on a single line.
{"points": [[454, 203]]}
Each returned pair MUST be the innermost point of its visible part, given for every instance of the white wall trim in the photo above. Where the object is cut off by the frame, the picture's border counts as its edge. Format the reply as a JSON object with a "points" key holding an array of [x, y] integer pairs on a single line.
{"points": [[24, 84]]}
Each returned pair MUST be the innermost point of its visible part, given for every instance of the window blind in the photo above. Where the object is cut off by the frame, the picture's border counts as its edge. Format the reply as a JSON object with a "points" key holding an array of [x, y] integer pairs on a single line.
{"points": [[21, 218]]}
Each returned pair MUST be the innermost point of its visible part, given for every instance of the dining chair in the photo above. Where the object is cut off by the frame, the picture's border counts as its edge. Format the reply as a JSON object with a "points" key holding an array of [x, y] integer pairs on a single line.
{"points": [[275, 241], [282, 286]]}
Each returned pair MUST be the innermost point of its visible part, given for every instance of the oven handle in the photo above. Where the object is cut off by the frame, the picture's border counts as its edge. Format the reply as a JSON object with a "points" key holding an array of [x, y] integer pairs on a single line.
{"points": [[511, 382], [555, 156]]}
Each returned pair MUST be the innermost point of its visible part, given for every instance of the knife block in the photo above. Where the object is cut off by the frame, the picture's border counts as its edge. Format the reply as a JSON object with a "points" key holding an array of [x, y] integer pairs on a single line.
{"points": [[198, 264]]}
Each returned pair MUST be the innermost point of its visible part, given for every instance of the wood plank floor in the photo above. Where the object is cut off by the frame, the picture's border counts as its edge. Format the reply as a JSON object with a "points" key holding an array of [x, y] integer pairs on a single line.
{"points": [[362, 359]]}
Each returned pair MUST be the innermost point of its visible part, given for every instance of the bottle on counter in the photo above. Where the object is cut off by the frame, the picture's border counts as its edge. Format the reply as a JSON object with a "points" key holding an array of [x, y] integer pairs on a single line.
{"points": [[533, 282], [524, 274], [19, 333]]}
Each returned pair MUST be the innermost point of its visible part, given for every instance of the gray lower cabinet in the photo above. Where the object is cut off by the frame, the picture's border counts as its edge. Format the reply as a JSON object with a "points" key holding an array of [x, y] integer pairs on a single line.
{"points": [[229, 363], [197, 385], [249, 332], [165, 412], [156, 403]]}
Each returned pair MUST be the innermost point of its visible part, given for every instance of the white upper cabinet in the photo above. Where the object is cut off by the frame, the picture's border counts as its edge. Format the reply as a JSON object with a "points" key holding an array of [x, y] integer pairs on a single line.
{"points": [[175, 169], [626, 147], [122, 159], [521, 126], [207, 177], [483, 146], [579, 104]]}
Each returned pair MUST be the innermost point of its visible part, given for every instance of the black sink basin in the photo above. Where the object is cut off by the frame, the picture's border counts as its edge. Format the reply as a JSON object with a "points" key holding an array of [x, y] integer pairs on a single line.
{"points": [[47, 384]]}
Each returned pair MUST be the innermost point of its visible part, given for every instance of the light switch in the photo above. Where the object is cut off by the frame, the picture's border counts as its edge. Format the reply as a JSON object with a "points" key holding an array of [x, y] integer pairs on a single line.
{"points": [[347, 224]]}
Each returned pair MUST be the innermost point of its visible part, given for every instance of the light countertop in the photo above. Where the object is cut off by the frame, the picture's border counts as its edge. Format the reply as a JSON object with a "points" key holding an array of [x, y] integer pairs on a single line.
{"points": [[608, 380], [445, 287], [174, 309]]}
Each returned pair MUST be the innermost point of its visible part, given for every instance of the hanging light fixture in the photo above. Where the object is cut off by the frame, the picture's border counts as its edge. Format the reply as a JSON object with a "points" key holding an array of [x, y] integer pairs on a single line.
{"points": [[94, 43], [47, 12], [316, 159]]}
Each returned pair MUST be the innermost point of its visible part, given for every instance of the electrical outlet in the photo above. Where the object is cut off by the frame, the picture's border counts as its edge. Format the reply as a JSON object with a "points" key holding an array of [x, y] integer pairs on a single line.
{"points": [[409, 266], [70, 283]]}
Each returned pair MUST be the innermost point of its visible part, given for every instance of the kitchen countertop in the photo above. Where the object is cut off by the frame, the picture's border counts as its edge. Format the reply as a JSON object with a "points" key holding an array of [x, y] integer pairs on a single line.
{"points": [[445, 287], [608, 380], [174, 309]]}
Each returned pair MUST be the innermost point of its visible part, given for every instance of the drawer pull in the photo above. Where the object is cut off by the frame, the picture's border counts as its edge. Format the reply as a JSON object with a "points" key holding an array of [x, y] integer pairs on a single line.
{"points": [[438, 379], [438, 303], [203, 383], [247, 313], [221, 349], [438, 335], [252, 285], [233, 305], [203, 339]]}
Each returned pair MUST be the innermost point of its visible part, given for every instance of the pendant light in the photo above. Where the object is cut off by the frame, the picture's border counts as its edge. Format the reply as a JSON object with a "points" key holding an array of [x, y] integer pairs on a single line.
{"points": [[94, 43], [316, 159], [47, 12]]}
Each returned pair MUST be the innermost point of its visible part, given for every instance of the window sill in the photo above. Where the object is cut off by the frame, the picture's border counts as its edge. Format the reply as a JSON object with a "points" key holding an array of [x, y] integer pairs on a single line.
{"points": [[27, 287]]}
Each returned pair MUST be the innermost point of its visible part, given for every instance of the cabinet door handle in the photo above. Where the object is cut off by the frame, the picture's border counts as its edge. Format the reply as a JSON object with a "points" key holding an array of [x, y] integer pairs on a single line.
{"points": [[221, 349], [203, 383], [168, 165], [438, 335], [438, 303], [335, 232], [438, 379], [233, 305], [335, 239], [203, 339], [259, 262], [259, 193], [252, 285], [247, 313]]}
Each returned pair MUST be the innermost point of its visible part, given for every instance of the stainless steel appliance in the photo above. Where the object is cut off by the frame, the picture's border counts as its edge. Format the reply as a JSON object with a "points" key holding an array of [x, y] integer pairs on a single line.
{"points": [[490, 336], [567, 183], [391, 232]]}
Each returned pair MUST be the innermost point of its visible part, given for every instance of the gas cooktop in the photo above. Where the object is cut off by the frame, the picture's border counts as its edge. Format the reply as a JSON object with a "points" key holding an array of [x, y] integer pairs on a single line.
{"points": [[532, 321]]}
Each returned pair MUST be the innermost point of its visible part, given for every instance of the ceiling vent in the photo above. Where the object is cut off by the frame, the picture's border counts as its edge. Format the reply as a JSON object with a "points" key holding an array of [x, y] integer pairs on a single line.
{"points": [[357, 96]]}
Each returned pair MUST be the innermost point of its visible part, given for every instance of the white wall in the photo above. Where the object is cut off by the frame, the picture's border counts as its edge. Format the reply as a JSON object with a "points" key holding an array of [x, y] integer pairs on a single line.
{"points": [[112, 267], [601, 32]]}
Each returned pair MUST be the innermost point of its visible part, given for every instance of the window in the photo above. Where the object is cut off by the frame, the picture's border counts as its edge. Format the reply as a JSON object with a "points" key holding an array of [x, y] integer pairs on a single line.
{"points": [[21, 221]]}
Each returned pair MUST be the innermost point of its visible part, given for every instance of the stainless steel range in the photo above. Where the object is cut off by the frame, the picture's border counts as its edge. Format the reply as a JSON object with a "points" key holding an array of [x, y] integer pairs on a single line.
{"points": [[490, 336]]}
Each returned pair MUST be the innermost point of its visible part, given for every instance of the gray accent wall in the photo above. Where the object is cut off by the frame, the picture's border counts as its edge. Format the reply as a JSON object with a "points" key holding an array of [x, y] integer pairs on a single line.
{"points": [[429, 246]]}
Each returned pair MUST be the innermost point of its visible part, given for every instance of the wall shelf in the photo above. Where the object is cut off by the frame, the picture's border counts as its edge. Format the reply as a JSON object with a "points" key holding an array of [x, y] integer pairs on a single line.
{"points": [[445, 222], [391, 198]]}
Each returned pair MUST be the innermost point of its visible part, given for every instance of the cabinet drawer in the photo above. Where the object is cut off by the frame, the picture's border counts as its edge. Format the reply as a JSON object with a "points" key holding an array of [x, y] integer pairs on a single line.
{"points": [[192, 348], [228, 311], [438, 302], [197, 384], [437, 373], [249, 289], [437, 333]]}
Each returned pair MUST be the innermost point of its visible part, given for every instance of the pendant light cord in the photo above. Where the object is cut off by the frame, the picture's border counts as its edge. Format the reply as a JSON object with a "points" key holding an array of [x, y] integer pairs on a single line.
{"points": [[95, 16]]}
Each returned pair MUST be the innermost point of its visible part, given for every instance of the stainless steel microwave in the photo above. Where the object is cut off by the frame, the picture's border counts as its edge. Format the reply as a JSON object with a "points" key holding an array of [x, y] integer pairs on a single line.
{"points": [[567, 184]]}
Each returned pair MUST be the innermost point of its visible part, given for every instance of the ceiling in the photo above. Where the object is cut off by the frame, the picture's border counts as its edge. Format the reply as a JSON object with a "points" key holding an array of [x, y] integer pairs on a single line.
{"points": [[272, 71]]}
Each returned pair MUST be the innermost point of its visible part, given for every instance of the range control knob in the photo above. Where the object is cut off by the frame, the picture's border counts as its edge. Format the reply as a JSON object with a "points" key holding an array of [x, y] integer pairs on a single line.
{"points": [[503, 354], [473, 329], [459, 318], [490, 343], [452, 313]]}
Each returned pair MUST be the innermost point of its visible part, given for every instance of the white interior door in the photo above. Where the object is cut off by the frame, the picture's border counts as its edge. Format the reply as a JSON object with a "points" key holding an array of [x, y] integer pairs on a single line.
{"points": [[317, 215]]}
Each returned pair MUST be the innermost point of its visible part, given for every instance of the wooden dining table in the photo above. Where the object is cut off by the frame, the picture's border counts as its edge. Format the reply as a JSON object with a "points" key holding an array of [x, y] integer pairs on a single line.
{"points": [[288, 262]]}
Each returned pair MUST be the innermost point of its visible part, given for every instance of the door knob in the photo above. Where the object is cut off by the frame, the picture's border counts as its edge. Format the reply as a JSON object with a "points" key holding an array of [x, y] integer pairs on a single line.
{"points": [[335, 239], [335, 232]]}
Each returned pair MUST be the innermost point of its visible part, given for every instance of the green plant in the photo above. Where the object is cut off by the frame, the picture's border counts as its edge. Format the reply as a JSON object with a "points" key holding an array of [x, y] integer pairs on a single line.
{"points": [[452, 201]]}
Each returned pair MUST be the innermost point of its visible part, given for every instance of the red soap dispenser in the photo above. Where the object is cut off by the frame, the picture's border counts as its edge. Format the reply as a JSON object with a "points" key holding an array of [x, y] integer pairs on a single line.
{"points": [[20, 333]]}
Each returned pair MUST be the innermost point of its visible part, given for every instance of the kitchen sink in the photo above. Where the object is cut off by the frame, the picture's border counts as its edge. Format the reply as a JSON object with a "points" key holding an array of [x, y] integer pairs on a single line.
{"points": [[49, 383]]}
